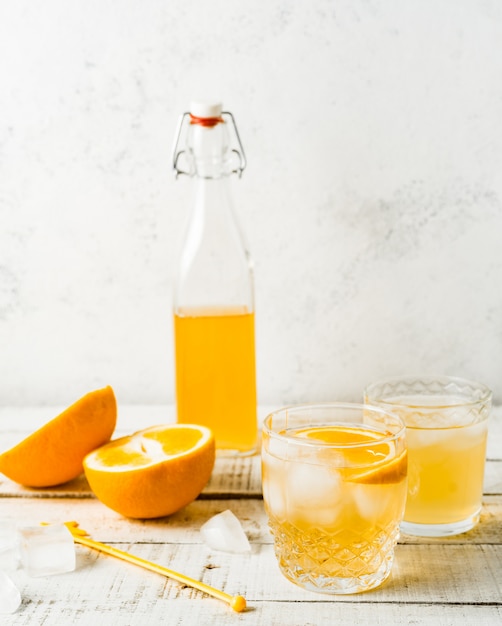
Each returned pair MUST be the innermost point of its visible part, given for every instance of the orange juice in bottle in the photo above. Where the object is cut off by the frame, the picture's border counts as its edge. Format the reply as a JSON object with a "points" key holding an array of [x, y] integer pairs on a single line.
{"points": [[214, 292]]}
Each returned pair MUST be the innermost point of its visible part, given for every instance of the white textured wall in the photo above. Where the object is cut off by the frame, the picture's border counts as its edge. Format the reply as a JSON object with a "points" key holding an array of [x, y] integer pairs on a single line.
{"points": [[372, 201]]}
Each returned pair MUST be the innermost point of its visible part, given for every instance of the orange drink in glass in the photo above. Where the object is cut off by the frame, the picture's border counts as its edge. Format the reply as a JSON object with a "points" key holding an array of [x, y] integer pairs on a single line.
{"points": [[334, 487], [446, 421]]}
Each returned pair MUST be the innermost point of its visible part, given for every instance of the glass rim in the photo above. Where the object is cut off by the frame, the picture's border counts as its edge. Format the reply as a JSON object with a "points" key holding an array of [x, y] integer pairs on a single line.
{"points": [[486, 396], [298, 441]]}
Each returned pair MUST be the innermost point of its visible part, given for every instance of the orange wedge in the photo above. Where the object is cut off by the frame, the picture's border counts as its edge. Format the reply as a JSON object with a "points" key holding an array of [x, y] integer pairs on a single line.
{"points": [[153, 472], [53, 454]]}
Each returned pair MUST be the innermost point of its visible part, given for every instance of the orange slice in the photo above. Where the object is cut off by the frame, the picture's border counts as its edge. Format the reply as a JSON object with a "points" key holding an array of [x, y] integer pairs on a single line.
{"points": [[53, 454], [374, 462], [392, 470], [154, 472]]}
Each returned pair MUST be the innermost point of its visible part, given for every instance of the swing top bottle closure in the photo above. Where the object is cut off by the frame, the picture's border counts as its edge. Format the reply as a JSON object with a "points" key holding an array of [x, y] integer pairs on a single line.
{"points": [[213, 291]]}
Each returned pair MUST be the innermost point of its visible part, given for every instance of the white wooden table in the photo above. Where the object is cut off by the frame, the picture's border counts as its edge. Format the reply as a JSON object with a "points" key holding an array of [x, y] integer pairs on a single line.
{"points": [[434, 582]]}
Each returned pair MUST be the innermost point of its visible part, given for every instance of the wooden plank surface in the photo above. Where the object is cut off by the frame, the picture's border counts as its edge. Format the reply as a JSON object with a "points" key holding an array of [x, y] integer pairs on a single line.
{"points": [[440, 576], [450, 581], [183, 527], [256, 576]]}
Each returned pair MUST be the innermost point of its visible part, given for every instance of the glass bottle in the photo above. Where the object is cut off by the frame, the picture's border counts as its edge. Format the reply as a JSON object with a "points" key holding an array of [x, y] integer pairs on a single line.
{"points": [[213, 291]]}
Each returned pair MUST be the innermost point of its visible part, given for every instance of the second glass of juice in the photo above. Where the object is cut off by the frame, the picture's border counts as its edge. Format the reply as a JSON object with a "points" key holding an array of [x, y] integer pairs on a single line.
{"points": [[446, 421], [334, 487]]}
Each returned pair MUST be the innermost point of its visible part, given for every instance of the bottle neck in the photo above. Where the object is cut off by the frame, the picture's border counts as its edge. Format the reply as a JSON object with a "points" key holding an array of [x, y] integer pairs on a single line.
{"points": [[215, 267], [208, 150], [211, 197]]}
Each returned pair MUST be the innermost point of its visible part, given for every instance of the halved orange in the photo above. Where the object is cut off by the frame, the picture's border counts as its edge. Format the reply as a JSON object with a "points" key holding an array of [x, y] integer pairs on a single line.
{"points": [[153, 472], [53, 454]]}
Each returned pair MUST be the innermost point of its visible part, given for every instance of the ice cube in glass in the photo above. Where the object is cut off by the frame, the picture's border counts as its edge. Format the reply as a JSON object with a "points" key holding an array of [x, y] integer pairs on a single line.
{"points": [[314, 494]]}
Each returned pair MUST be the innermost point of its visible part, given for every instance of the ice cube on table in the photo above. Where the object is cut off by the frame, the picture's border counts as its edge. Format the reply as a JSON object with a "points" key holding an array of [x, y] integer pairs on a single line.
{"points": [[10, 597], [9, 546], [224, 532], [47, 550]]}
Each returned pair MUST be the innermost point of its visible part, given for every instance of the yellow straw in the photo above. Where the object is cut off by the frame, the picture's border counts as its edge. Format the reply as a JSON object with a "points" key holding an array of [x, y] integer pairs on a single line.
{"points": [[237, 603]]}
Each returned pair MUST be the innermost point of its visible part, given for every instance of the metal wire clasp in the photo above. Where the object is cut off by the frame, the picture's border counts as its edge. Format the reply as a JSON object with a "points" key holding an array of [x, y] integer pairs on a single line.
{"points": [[181, 128]]}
